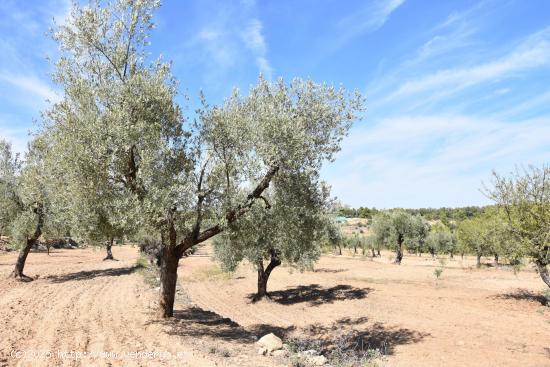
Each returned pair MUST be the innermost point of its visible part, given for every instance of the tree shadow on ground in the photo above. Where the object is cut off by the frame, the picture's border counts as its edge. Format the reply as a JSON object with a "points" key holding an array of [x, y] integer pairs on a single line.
{"points": [[316, 295], [524, 295], [355, 338], [90, 274], [350, 336], [197, 322]]}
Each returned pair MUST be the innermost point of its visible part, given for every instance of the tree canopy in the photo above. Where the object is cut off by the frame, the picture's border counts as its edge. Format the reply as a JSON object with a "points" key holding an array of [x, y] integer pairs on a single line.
{"points": [[124, 149], [524, 196]]}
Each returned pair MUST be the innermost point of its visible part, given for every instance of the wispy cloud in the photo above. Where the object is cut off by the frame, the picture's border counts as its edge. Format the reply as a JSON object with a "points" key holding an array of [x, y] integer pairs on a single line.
{"points": [[402, 161], [254, 41], [218, 47], [369, 18], [227, 39], [533, 52], [30, 84], [24, 71], [18, 137]]}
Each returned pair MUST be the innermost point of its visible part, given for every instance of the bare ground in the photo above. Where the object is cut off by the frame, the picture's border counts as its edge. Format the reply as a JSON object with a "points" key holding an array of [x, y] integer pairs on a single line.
{"points": [[469, 317], [80, 303]]}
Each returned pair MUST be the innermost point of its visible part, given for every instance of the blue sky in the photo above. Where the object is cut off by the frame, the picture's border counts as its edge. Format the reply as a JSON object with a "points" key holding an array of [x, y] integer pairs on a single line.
{"points": [[454, 88]]}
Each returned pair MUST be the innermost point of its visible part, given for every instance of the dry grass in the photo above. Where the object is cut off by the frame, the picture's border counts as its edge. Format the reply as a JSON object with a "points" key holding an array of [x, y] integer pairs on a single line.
{"points": [[210, 272]]}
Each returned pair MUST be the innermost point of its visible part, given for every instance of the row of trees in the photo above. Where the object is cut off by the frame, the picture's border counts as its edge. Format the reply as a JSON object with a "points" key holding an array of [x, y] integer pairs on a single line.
{"points": [[115, 155], [516, 227], [445, 215]]}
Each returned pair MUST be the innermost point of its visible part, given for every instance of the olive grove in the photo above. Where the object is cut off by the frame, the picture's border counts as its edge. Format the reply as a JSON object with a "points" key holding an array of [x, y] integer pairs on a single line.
{"points": [[129, 157], [398, 229]]}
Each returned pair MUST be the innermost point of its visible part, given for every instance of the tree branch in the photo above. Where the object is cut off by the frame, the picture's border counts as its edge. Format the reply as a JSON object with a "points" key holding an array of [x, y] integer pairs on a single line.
{"points": [[231, 215]]}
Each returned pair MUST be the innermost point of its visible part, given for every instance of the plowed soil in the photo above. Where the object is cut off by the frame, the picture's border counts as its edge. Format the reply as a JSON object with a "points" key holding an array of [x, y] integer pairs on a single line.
{"points": [[79, 303]]}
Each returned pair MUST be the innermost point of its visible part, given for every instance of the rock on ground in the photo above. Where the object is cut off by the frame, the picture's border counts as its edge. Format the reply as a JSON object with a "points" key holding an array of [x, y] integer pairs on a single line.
{"points": [[270, 342]]}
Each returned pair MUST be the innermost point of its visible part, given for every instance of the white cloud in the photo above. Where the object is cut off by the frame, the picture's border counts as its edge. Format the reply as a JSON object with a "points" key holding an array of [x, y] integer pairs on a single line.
{"points": [[533, 52], [30, 84], [17, 137], [219, 48], [433, 160], [229, 39], [367, 19], [254, 41]]}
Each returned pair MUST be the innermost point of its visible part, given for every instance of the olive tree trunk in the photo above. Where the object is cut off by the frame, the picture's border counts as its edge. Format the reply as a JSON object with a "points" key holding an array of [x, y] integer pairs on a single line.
{"points": [[263, 275], [109, 250], [542, 268], [168, 278], [31, 241], [21, 259], [478, 263], [171, 252], [399, 251]]}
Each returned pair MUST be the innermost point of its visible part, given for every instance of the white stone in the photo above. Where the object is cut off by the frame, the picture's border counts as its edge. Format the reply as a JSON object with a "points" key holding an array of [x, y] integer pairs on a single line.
{"points": [[271, 342]]}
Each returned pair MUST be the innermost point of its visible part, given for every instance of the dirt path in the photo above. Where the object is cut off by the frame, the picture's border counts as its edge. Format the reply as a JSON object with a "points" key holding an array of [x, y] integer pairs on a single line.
{"points": [[81, 304], [469, 317]]}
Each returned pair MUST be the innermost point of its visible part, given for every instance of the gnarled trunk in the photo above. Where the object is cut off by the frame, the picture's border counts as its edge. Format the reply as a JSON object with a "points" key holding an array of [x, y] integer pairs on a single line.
{"points": [[398, 256], [168, 278], [263, 275], [22, 258], [542, 268], [169, 260], [109, 250], [478, 263], [372, 252], [399, 251], [496, 260]]}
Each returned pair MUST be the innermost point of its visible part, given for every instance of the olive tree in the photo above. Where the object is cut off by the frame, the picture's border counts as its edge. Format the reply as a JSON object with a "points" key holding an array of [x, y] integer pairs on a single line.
{"points": [[187, 182], [440, 239], [482, 235], [37, 212], [396, 229], [335, 237], [9, 172], [524, 197], [288, 227]]}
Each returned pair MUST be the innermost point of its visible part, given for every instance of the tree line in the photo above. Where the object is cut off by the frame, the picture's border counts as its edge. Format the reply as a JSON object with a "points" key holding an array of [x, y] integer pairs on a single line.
{"points": [[445, 215], [514, 228]]}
